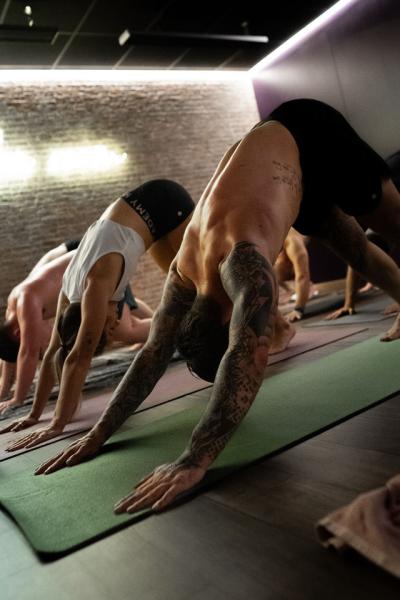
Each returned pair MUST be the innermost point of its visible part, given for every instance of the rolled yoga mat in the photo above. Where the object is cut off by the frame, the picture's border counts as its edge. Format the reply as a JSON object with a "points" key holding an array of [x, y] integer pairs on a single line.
{"points": [[74, 506], [176, 383]]}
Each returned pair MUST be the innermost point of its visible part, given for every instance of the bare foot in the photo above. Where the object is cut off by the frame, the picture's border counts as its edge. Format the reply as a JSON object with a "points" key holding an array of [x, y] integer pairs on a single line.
{"points": [[392, 309], [368, 287], [393, 333], [283, 333]]}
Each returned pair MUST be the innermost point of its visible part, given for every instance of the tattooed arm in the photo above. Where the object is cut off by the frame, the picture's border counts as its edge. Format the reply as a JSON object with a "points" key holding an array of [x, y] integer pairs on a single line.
{"points": [[250, 282], [137, 383], [152, 360]]}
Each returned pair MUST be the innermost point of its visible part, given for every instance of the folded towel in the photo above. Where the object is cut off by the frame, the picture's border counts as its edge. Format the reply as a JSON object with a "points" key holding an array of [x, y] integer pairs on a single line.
{"points": [[370, 525]]}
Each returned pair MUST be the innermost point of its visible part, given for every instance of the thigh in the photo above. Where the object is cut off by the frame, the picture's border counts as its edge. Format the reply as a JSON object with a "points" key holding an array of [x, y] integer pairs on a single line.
{"points": [[385, 219], [344, 236]]}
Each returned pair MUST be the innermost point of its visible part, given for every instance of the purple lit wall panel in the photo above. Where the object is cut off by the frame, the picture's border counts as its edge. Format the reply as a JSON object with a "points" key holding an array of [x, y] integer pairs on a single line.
{"points": [[308, 72], [352, 63]]}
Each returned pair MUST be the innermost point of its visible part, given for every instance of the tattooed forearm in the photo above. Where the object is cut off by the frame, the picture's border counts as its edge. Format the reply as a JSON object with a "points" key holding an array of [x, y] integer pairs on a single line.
{"points": [[249, 280], [151, 361], [285, 174]]}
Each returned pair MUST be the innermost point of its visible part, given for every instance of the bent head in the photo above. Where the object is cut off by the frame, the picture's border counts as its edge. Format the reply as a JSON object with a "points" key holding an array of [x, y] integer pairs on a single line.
{"points": [[68, 328], [202, 338], [9, 342]]}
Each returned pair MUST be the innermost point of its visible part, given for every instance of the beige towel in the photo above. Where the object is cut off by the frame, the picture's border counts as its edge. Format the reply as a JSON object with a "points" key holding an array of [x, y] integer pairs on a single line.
{"points": [[370, 524]]}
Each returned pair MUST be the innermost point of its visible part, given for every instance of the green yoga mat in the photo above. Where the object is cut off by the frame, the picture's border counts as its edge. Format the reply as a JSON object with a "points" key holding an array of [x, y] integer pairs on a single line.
{"points": [[73, 506]]}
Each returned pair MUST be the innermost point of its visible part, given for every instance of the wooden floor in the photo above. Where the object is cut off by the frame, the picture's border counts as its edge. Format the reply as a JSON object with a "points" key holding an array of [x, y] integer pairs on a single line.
{"points": [[250, 537]]}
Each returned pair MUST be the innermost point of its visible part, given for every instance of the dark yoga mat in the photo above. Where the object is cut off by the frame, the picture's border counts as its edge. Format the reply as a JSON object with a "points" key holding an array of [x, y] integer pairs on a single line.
{"points": [[176, 383], [73, 506], [317, 305], [366, 312]]}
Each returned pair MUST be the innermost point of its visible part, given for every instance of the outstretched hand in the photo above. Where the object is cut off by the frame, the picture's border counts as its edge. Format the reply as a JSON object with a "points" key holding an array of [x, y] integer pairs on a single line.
{"points": [[19, 424], [73, 454], [392, 309], [340, 312], [7, 404], [36, 437], [294, 315], [160, 488]]}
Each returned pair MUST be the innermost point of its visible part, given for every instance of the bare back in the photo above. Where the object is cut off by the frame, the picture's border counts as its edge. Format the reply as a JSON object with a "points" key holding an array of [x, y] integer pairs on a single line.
{"points": [[42, 283], [255, 197]]}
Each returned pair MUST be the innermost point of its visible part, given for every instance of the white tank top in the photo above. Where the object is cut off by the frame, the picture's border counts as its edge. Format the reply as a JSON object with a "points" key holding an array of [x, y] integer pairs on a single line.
{"points": [[103, 237]]}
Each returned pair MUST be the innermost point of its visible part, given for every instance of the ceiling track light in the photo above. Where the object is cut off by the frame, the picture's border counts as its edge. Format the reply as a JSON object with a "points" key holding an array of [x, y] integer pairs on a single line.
{"points": [[155, 38]]}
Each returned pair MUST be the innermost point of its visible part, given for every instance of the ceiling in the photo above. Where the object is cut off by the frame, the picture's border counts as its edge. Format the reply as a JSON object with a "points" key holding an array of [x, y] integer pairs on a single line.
{"points": [[84, 33]]}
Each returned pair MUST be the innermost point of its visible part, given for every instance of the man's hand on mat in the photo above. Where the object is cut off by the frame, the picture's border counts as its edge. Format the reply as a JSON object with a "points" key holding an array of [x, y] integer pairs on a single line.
{"points": [[340, 312], [6, 404], [36, 437], [392, 309], [294, 315], [160, 488], [20, 424], [73, 454]]}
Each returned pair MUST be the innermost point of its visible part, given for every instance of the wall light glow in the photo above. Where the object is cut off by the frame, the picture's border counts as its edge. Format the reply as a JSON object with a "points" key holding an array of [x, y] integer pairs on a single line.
{"points": [[302, 35], [127, 76], [16, 165], [83, 160]]}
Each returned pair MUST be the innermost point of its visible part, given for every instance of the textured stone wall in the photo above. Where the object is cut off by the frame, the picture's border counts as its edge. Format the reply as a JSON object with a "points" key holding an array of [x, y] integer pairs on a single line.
{"points": [[177, 130]]}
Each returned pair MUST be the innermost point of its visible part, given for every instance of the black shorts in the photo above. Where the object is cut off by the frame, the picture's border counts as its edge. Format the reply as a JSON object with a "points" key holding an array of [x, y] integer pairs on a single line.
{"points": [[162, 204], [338, 167]]}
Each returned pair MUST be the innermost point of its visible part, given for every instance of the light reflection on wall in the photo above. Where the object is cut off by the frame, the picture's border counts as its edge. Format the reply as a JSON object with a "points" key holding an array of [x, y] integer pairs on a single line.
{"points": [[64, 162], [19, 166], [15, 165]]}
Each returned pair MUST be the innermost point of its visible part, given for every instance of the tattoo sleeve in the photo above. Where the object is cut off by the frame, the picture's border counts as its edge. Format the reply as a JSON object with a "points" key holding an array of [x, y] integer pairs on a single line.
{"points": [[151, 362], [250, 282]]}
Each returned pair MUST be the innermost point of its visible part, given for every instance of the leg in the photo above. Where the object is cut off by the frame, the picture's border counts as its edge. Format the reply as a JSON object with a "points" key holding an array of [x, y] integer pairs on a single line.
{"points": [[131, 330], [346, 238], [385, 219]]}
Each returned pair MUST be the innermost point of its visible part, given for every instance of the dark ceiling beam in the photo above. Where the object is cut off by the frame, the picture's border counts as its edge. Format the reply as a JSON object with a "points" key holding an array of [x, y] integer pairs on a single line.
{"points": [[74, 34], [18, 33]]}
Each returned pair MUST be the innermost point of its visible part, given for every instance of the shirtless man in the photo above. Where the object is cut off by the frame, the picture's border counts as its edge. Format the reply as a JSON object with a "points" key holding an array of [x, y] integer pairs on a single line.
{"points": [[26, 332], [31, 307], [220, 298], [293, 263]]}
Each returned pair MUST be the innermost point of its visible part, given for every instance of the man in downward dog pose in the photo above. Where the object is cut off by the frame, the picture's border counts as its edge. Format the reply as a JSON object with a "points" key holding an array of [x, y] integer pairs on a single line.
{"points": [[25, 334], [31, 307], [219, 301], [152, 217]]}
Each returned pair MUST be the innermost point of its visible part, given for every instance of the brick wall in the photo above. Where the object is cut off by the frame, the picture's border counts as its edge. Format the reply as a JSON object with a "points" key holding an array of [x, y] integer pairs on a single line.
{"points": [[177, 130]]}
